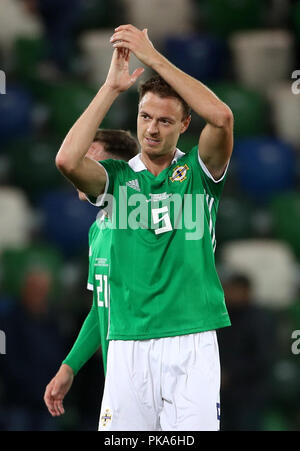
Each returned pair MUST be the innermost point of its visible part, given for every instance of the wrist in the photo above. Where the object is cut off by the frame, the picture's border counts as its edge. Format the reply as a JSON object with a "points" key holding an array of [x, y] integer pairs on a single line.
{"points": [[67, 369], [110, 90], [156, 61]]}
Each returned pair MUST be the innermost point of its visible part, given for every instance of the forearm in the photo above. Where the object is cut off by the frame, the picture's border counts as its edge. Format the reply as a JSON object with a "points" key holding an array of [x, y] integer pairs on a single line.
{"points": [[86, 344], [81, 135], [198, 96]]}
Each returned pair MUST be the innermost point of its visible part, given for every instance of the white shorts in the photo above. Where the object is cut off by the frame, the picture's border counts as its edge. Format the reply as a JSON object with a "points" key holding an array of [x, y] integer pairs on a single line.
{"points": [[164, 384]]}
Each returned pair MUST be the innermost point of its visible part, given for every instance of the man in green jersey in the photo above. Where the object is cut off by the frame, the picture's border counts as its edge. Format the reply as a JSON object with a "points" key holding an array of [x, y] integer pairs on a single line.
{"points": [[93, 334], [167, 301]]}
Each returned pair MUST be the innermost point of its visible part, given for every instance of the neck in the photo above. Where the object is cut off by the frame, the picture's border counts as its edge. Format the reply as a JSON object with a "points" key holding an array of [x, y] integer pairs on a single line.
{"points": [[156, 164]]}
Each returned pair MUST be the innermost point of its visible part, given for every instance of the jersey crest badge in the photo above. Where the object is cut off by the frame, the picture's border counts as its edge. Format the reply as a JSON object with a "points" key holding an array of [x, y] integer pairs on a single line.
{"points": [[179, 173], [106, 418]]}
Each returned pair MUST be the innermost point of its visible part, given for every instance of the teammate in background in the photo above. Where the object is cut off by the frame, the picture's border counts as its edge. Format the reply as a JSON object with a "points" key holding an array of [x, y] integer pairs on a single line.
{"points": [[163, 369], [93, 334]]}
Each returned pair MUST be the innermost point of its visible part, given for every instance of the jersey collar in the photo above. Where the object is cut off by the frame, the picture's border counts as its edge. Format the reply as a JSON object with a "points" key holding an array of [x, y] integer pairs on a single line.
{"points": [[137, 165]]}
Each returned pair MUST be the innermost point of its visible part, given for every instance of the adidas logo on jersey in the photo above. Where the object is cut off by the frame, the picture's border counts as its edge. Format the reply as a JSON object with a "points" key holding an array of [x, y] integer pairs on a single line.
{"points": [[134, 184]]}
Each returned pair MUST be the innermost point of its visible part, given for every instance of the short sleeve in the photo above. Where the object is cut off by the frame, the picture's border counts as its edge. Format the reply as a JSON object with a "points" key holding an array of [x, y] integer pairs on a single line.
{"points": [[112, 169]]}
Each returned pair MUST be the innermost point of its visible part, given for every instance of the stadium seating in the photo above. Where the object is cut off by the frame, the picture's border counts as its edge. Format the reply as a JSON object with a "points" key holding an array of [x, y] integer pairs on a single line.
{"points": [[28, 52], [187, 142], [97, 14], [4, 168], [285, 111], [161, 17], [265, 166], [295, 16], [223, 17], [123, 112], [65, 101], [293, 314], [204, 55], [285, 209], [275, 419], [249, 108], [270, 265], [261, 58], [97, 53], [16, 218], [16, 109], [284, 386], [15, 264], [32, 164], [16, 21], [65, 220], [234, 220]]}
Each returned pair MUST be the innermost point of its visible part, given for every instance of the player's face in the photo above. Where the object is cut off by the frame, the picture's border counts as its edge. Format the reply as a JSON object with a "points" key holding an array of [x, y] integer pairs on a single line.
{"points": [[160, 124], [96, 152]]}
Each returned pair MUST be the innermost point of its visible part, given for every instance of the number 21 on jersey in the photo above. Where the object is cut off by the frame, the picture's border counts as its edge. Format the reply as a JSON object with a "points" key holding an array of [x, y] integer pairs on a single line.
{"points": [[102, 290]]}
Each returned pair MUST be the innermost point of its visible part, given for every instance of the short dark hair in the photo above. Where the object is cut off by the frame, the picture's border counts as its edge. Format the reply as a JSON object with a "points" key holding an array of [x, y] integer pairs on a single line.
{"points": [[118, 143], [159, 86]]}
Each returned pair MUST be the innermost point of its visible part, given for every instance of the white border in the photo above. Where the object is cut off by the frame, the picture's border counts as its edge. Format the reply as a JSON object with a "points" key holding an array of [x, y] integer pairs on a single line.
{"points": [[100, 199], [206, 171]]}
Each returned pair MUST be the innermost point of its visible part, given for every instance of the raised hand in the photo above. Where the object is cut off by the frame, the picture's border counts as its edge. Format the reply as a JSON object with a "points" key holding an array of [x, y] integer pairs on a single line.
{"points": [[118, 77], [135, 40]]}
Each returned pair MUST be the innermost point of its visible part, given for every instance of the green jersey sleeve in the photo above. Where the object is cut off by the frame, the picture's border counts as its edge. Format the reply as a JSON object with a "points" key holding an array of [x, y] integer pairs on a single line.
{"points": [[112, 169], [87, 342]]}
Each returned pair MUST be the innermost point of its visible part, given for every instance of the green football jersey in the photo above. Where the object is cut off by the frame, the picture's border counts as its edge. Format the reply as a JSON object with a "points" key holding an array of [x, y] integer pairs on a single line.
{"points": [[163, 278], [98, 278]]}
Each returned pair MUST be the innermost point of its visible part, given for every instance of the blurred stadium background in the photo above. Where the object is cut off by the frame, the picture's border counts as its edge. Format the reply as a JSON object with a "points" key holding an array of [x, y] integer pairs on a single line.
{"points": [[55, 55]]}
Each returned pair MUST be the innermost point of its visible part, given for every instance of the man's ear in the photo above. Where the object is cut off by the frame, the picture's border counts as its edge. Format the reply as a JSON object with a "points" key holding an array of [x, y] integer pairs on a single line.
{"points": [[185, 123], [93, 146]]}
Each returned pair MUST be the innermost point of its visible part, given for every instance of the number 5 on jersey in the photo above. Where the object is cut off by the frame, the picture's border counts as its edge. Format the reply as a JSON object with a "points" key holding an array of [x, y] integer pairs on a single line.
{"points": [[102, 290], [164, 220]]}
